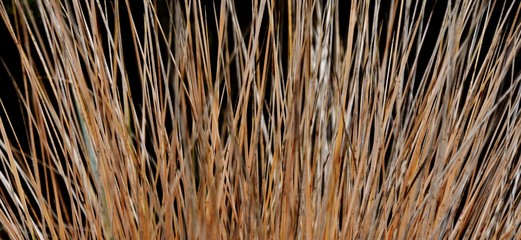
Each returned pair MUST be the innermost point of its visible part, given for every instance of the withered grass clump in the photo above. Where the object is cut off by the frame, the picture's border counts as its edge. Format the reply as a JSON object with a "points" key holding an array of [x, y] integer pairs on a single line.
{"points": [[279, 119]]}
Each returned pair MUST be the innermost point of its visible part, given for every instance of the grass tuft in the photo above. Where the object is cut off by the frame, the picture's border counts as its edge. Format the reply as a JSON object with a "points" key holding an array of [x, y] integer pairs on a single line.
{"points": [[268, 119]]}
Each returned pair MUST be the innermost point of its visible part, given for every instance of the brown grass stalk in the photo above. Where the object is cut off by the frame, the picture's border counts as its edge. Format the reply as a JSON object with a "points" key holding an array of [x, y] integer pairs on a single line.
{"points": [[282, 119]]}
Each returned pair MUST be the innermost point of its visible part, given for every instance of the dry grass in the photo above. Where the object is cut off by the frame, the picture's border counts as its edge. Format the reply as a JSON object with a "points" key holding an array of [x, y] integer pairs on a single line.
{"points": [[310, 120]]}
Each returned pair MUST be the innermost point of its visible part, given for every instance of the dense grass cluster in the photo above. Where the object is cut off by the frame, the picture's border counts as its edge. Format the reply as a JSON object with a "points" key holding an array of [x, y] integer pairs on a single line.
{"points": [[267, 119]]}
